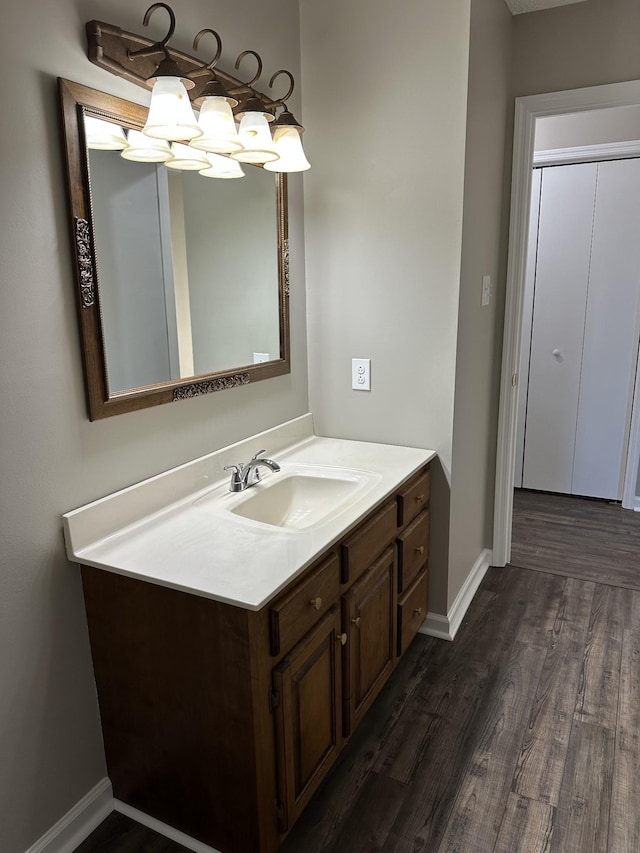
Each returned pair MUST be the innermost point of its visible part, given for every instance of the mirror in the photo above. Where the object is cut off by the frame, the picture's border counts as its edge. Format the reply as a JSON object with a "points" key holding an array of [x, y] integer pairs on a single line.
{"points": [[182, 279]]}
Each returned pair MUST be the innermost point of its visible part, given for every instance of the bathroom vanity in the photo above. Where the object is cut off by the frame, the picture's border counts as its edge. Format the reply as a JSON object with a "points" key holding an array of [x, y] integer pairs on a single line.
{"points": [[234, 656]]}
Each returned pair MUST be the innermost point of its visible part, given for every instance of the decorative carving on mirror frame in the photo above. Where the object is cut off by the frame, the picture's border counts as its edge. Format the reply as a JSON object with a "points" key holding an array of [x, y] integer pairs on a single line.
{"points": [[196, 389], [285, 266], [85, 263]]}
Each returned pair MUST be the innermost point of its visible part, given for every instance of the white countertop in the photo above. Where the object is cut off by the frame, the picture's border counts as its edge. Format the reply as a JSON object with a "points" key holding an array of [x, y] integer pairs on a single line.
{"points": [[176, 529]]}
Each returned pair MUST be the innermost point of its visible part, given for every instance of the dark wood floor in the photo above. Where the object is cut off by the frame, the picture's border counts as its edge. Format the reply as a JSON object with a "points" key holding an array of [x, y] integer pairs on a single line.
{"points": [[521, 736], [576, 537]]}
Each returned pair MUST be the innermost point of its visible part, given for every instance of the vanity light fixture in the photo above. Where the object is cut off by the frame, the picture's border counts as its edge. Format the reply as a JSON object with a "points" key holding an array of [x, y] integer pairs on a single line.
{"points": [[170, 113], [219, 132], [103, 135], [254, 132], [144, 149], [217, 93], [286, 136]]}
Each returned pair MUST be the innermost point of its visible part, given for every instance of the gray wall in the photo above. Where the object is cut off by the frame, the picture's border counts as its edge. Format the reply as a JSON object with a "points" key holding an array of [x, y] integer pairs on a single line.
{"points": [[585, 44], [233, 268], [385, 92], [126, 218], [484, 241], [53, 459]]}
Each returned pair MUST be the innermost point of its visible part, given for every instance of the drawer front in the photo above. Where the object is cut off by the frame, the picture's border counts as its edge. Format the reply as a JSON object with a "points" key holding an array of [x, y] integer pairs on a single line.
{"points": [[296, 612], [361, 549], [413, 550], [414, 498], [412, 610]]}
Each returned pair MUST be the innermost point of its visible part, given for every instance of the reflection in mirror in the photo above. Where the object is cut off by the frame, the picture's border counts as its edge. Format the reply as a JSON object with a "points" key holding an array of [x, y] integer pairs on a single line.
{"points": [[182, 279], [187, 270]]}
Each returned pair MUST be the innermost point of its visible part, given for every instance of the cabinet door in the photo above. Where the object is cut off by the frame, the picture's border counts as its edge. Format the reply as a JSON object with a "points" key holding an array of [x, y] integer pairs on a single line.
{"points": [[564, 241], [308, 715], [370, 621]]}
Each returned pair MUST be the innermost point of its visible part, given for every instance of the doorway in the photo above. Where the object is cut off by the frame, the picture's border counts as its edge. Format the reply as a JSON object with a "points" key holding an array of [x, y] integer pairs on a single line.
{"points": [[528, 111]]}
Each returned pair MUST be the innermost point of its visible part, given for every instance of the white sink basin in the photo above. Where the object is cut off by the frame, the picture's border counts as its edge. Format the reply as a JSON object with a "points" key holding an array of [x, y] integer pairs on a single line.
{"points": [[302, 498]]}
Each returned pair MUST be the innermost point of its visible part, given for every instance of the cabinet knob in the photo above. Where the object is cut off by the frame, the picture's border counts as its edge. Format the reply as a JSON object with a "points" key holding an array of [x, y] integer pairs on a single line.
{"points": [[341, 638], [418, 611], [356, 621], [420, 499], [316, 603], [420, 549]]}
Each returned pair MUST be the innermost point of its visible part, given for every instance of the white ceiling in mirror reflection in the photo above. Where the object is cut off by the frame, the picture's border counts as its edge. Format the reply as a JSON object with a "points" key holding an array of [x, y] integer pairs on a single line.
{"points": [[518, 7]]}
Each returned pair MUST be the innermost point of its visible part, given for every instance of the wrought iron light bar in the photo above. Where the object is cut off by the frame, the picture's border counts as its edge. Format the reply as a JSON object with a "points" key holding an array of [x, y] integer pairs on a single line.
{"points": [[135, 58]]}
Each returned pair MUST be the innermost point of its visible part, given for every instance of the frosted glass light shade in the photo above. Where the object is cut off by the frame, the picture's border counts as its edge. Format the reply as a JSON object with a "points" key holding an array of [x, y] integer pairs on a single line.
{"points": [[222, 167], [255, 137], [104, 135], [170, 114], [187, 158], [145, 149], [289, 146], [218, 126]]}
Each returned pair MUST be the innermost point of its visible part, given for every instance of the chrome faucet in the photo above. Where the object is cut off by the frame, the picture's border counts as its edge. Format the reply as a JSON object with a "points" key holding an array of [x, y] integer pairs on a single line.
{"points": [[247, 475]]}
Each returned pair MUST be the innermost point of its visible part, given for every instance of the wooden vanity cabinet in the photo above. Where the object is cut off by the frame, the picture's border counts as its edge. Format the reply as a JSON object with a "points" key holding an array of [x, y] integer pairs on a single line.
{"points": [[308, 719], [222, 722], [369, 609]]}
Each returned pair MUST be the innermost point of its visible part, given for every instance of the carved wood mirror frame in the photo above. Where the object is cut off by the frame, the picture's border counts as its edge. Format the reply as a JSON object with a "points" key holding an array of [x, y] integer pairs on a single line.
{"points": [[77, 100]]}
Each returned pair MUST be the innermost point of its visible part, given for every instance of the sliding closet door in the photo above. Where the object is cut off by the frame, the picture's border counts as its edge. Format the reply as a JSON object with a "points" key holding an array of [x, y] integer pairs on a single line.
{"points": [[564, 240], [610, 335], [527, 319]]}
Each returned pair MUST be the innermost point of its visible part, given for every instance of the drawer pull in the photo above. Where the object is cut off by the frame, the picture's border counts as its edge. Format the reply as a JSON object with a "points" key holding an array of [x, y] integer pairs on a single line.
{"points": [[420, 498], [418, 611], [341, 638], [356, 621], [316, 603], [420, 549]]}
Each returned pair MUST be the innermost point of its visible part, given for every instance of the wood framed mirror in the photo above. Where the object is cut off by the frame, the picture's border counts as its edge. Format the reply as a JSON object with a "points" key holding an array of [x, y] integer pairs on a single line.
{"points": [[182, 281]]}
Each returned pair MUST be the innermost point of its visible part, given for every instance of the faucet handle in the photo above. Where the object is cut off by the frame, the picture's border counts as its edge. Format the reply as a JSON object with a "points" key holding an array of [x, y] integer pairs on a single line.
{"points": [[259, 453], [236, 477]]}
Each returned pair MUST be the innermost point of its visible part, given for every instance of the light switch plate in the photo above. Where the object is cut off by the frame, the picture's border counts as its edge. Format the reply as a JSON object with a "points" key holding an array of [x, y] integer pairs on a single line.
{"points": [[486, 290]]}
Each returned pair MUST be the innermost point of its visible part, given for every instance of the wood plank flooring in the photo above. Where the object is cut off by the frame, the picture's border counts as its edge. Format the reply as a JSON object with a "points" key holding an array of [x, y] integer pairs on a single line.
{"points": [[521, 736], [576, 537]]}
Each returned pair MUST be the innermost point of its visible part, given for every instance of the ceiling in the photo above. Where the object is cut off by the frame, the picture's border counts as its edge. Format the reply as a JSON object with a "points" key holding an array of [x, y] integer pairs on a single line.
{"points": [[517, 7]]}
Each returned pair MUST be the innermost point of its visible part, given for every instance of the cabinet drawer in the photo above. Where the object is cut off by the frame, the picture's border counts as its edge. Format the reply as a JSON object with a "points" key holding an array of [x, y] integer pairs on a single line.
{"points": [[413, 550], [414, 498], [412, 610], [295, 613], [361, 549]]}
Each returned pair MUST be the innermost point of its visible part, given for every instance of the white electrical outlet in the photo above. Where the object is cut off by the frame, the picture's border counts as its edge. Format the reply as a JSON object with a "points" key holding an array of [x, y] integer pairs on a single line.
{"points": [[361, 374], [486, 290], [260, 357]]}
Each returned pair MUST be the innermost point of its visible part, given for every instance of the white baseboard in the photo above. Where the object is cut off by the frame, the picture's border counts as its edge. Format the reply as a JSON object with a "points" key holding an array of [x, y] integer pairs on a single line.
{"points": [[78, 823], [163, 828], [446, 627]]}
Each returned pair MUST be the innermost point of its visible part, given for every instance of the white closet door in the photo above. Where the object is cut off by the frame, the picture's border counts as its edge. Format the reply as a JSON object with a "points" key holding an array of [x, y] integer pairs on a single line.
{"points": [[527, 320], [611, 334], [564, 239]]}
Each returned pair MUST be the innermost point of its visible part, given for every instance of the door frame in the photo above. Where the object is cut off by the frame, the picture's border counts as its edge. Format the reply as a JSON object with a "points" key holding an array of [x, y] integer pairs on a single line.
{"points": [[527, 110]]}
